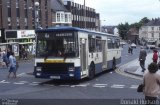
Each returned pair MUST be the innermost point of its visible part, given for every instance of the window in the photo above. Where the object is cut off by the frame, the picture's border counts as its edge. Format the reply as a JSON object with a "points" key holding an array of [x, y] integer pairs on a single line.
{"points": [[98, 44], [18, 14], [62, 17], [67, 45], [152, 35], [25, 4], [17, 3], [58, 17], [26, 22], [159, 36], [8, 3], [152, 28], [9, 12], [91, 42], [18, 21], [9, 21]]}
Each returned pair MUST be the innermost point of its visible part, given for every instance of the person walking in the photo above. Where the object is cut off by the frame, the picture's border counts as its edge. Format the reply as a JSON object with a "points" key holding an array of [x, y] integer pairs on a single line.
{"points": [[142, 58], [155, 56], [151, 83], [12, 65]]}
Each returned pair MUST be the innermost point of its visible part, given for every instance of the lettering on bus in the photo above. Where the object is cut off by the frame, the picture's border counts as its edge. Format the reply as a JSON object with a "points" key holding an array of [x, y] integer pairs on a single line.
{"points": [[64, 34]]}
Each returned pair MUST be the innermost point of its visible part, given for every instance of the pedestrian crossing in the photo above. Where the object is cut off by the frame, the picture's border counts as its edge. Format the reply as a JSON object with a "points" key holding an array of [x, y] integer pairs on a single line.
{"points": [[83, 85]]}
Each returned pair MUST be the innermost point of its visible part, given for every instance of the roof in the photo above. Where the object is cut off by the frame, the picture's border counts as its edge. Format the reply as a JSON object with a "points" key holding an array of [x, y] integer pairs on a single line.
{"points": [[69, 28], [57, 5], [153, 22], [109, 29]]}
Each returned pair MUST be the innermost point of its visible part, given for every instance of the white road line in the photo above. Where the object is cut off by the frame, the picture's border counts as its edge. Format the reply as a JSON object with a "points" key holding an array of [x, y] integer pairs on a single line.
{"points": [[4, 81], [21, 74], [23, 81], [64, 85], [99, 86], [117, 86], [134, 86], [33, 84], [18, 83]]}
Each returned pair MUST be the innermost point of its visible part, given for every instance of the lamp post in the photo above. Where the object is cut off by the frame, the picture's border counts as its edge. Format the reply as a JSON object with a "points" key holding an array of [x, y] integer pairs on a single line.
{"points": [[84, 14], [36, 4]]}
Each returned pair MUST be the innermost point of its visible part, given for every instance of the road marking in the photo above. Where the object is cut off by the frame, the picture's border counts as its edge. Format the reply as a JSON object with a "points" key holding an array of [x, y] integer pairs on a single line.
{"points": [[134, 86], [100, 85], [18, 83], [21, 74], [4, 81], [117, 86]]}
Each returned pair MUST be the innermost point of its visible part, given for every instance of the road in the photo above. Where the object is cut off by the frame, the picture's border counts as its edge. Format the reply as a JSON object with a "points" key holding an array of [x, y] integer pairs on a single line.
{"points": [[108, 88]]}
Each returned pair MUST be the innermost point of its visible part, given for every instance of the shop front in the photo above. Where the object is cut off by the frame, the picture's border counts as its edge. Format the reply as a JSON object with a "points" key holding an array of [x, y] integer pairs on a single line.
{"points": [[25, 39]]}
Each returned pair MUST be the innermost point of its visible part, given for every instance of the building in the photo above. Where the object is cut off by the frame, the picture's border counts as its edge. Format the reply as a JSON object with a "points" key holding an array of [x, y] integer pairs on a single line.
{"points": [[110, 29], [20, 15], [18, 22], [133, 35], [150, 31], [83, 16], [60, 15]]}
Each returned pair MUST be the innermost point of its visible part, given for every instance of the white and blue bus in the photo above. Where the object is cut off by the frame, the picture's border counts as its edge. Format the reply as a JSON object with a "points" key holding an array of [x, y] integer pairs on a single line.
{"points": [[74, 53]]}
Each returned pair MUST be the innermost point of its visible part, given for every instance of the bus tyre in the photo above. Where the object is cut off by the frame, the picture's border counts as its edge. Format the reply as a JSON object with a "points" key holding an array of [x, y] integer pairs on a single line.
{"points": [[114, 64], [91, 71]]}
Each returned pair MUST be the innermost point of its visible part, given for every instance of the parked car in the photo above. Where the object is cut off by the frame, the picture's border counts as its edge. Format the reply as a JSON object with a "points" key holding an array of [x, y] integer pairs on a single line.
{"points": [[133, 45]]}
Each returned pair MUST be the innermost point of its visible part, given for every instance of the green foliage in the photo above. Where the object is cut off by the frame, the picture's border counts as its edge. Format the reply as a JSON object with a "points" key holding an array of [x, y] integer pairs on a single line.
{"points": [[124, 28]]}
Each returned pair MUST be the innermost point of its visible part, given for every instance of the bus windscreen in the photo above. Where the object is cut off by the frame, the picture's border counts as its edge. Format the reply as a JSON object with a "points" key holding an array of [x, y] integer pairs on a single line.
{"points": [[57, 45]]}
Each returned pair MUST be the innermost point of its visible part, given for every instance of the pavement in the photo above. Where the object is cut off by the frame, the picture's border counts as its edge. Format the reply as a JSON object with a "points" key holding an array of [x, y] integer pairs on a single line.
{"points": [[134, 68]]}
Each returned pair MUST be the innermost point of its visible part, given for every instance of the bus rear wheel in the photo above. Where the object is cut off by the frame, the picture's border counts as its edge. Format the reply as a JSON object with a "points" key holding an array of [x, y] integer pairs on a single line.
{"points": [[91, 71]]}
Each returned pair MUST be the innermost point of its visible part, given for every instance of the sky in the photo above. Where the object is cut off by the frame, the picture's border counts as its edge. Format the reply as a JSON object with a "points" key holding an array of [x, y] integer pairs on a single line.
{"points": [[114, 12]]}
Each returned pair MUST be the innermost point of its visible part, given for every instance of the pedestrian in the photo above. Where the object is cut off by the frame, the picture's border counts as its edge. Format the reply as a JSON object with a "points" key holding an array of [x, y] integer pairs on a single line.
{"points": [[155, 56], [129, 49], [151, 84], [12, 65], [142, 58]]}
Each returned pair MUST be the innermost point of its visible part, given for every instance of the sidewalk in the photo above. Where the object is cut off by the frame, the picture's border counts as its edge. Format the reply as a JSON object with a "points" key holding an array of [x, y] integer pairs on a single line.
{"points": [[134, 68]]}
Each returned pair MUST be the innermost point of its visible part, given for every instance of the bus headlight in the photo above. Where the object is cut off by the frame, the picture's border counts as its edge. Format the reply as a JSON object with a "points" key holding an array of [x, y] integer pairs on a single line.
{"points": [[71, 75], [71, 69], [38, 69], [38, 74]]}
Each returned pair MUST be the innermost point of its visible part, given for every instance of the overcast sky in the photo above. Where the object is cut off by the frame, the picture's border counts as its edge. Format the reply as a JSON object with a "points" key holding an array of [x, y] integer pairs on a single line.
{"points": [[114, 12]]}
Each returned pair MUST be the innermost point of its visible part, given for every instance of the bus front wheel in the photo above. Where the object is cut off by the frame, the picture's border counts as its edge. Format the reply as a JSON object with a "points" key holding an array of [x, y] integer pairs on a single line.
{"points": [[91, 71]]}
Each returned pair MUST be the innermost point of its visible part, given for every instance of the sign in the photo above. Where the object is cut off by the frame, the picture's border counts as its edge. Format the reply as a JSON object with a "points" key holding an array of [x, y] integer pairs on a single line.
{"points": [[0, 33], [25, 34]]}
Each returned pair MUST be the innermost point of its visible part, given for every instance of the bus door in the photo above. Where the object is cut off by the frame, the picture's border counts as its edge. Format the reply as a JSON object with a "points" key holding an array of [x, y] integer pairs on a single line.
{"points": [[104, 55], [83, 56]]}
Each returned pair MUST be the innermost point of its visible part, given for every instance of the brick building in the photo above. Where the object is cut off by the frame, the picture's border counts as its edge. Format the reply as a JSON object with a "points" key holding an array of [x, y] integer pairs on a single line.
{"points": [[19, 15]]}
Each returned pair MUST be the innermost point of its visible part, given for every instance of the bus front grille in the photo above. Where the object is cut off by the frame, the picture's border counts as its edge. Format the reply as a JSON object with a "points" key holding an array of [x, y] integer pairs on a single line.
{"points": [[55, 68]]}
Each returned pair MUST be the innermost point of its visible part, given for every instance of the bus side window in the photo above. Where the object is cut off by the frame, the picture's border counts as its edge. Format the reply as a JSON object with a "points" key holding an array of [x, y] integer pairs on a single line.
{"points": [[91, 44]]}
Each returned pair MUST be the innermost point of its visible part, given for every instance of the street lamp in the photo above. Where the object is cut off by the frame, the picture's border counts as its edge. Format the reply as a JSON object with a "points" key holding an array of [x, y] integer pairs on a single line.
{"points": [[36, 4], [84, 14]]}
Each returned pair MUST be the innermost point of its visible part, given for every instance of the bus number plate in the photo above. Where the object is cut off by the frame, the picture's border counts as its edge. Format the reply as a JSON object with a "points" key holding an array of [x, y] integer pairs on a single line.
{"points": [[55, 77]]}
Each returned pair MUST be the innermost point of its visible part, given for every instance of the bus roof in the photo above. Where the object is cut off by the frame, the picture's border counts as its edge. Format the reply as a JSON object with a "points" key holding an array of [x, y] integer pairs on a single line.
{"points": [[68, 28]]}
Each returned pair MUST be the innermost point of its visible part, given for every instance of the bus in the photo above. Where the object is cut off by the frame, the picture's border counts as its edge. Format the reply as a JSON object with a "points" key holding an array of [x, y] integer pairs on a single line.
{"points": [[74, 53]]}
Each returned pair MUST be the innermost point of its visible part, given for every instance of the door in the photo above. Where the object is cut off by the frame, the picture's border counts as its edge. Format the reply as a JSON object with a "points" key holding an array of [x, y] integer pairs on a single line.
{"points": [[83, 56], [104, 55]]}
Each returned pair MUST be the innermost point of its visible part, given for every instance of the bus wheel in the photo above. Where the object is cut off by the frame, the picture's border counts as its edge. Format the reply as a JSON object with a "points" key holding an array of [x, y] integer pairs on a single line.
{"points": [[91, 71], [114, 64]]}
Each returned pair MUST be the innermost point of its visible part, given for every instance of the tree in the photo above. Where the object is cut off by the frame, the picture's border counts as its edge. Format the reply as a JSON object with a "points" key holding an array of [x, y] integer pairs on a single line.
{"points": [[123, 30]]}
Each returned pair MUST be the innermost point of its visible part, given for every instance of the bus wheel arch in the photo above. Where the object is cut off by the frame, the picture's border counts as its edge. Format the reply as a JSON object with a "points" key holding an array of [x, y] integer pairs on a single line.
{"points": [[114, 63], [91, 70]]}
